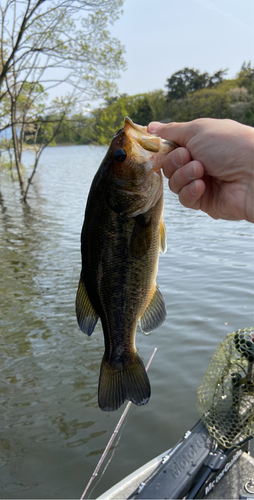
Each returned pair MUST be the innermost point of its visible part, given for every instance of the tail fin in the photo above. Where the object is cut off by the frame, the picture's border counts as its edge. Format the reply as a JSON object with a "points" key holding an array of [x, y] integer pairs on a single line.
{"points": [[118, 385]]}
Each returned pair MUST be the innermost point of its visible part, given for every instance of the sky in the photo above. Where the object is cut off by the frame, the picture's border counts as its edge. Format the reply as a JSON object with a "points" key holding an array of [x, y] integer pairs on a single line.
{"points": [[164, 36]]}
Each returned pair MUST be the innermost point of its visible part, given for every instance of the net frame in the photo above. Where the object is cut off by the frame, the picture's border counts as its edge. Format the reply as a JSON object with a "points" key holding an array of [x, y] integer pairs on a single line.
{"points": [[225, 397]]}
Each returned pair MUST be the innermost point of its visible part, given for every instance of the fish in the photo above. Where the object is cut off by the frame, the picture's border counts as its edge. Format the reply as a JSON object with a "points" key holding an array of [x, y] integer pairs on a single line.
{"points": [[122, 234]]}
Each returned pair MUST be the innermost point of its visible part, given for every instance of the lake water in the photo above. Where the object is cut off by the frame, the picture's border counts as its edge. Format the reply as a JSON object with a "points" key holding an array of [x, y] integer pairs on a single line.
{"points": [[52, 431]]}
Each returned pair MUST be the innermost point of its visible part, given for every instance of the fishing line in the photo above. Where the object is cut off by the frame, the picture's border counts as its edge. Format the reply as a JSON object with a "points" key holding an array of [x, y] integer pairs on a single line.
{"points": [[109, 460], [118, 426], [112, 453]]}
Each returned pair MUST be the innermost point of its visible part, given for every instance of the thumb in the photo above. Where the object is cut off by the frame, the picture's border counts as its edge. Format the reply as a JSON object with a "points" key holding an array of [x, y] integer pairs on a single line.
{"points": [[153, 126], [177, 132]]}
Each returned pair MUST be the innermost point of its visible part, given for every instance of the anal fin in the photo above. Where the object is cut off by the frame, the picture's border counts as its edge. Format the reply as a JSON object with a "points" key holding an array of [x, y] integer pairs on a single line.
{"points": [[86, 315], [155, 312]]}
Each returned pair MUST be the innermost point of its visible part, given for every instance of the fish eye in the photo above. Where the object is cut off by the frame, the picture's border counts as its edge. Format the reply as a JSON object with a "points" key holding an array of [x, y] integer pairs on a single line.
{"points": [[120, 155]]}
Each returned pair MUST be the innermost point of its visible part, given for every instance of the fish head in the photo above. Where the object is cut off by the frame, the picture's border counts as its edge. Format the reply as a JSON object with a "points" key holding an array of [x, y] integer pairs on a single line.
{"points": [[135, 158]]}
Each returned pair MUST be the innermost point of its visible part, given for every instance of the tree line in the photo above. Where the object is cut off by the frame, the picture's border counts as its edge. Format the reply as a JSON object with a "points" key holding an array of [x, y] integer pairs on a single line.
{"points": [[189, 95]]}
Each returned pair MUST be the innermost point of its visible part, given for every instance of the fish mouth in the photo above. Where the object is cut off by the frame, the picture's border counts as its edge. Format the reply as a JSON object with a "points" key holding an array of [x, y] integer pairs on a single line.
{"points": [[143, 181], [149, 142]]}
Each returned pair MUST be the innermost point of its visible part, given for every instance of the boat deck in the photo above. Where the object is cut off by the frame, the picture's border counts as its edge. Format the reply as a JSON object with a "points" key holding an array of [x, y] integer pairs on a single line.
{"points": [[230, 486]]}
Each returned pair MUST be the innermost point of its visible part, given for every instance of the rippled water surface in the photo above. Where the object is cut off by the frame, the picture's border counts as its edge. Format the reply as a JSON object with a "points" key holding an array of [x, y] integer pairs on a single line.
{"points": [[52, 431]]}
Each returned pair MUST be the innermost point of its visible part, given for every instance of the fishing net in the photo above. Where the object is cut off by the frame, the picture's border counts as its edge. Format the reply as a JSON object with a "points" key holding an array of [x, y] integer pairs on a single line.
{"points": [[225, 398]]}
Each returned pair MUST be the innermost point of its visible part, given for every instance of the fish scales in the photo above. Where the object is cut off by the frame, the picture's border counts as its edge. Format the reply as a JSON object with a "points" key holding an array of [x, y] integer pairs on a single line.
{"points": [[120, 240]]}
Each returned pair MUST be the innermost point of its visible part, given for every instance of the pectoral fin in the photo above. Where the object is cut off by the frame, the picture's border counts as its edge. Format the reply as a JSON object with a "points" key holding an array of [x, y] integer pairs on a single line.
{"points": [[155, 312], [163, 237], [86, 315]]}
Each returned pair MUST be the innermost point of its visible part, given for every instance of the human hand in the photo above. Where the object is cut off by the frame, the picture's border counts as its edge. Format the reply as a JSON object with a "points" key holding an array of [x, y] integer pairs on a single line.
{"points": [[213, 169]]}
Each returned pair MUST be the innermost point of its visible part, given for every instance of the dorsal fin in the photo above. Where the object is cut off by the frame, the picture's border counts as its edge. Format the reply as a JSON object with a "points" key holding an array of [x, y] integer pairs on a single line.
{"points": [[155, 312], [86, 315]]}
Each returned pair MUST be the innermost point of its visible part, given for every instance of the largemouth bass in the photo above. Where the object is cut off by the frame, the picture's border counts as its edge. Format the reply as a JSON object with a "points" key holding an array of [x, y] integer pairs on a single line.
{"points": [[122, 234]]}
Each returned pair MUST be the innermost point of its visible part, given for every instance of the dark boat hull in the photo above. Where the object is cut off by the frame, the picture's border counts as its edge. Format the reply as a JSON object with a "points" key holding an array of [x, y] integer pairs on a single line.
{"points": [[182, 472]]}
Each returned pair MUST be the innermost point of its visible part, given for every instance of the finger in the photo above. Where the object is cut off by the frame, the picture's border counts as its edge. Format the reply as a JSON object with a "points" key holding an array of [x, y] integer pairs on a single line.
{"points": [[180, 133], [190, 196], [175, 160], [185, 175]]}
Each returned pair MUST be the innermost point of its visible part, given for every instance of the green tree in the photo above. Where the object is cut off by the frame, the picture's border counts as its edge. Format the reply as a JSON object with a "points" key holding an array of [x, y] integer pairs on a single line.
{"points": [[246, 77], [159, 105], [203, 103], [189, 80], [217, 78], [108, 119], [192, 95], [143, 114]]}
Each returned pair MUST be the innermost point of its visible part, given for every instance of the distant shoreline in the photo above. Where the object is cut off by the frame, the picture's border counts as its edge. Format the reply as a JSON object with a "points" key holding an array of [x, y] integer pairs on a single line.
{"points": [[32, 147]]}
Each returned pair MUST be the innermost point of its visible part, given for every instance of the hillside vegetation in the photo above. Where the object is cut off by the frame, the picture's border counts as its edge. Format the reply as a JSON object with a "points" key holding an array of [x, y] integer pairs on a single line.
{"points": [[189, 94]]}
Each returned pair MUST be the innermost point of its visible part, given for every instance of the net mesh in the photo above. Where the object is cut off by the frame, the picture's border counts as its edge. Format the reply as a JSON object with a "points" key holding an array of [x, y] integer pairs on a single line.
{"points": [[225, 398]]}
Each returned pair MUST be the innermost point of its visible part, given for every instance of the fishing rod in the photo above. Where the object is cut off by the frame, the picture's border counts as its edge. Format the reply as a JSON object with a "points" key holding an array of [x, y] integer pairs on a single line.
{"points": [[117, 428]]}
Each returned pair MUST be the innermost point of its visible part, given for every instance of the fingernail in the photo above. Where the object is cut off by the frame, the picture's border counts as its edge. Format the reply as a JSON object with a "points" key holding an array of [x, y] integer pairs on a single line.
{"points": [[190, 172], [193, 187], [152, 127], [177, 159]]}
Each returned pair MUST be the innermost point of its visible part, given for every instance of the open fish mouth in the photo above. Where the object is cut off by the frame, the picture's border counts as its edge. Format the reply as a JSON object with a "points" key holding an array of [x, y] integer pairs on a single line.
{"points": [[149, 142]]}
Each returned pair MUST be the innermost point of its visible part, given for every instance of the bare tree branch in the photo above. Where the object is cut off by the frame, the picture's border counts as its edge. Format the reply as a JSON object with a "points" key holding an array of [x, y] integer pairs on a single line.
{"points": [[44, 45]]}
